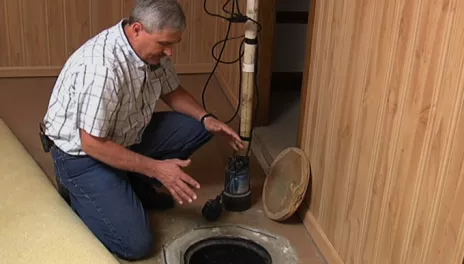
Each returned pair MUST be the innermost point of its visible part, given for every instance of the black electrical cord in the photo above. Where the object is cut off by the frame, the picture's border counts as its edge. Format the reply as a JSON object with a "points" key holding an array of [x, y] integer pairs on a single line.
{"points": [[234, 18], [215, 15], [229, 12], [222, 49], [224, 40]]}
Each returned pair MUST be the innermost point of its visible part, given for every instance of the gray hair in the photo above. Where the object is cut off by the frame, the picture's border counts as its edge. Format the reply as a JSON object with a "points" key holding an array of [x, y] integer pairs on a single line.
{"points": [[156, 15]]}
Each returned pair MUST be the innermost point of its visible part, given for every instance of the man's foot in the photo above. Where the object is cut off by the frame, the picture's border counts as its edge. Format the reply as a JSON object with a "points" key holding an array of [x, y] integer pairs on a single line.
{"points": [[64, 193], [151, 199]]}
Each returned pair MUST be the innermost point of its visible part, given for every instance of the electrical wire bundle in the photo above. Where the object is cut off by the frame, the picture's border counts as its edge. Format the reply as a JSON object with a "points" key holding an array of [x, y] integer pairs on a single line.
{"points": [[235, 17]]}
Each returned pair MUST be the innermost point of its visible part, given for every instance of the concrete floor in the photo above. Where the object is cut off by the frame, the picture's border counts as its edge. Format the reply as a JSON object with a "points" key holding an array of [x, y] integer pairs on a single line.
{"points": [[282, 132], [23, 103]]}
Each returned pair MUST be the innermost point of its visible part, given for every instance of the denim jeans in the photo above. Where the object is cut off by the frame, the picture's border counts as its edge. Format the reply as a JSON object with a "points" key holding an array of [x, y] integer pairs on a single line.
{"points": [[106, 199]]}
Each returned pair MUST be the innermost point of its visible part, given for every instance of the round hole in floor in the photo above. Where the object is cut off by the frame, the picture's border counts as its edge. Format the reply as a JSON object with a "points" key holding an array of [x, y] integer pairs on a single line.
{"points": [[226, 250]]}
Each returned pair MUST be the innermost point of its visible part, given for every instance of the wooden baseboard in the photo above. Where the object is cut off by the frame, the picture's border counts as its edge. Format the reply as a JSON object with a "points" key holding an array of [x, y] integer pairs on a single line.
{"points": [[322, 242], [194, 68], [19, 72], [53, 71]]}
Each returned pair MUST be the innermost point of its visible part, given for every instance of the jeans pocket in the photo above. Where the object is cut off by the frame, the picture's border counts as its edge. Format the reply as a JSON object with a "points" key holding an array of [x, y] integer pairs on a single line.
{"points": [[71, 167]]}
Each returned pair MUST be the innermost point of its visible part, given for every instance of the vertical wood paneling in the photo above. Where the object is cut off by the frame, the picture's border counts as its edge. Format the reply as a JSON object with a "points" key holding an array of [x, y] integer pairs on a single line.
{"points": [[399, 63], [442, 113], [458, 256], [411, 140], [127, 6], [56, 32], [334, 148], [205, 28], [447, 221], [37, 36], [383, 127], [310, 103], [324, 96], [35, 32], [15, 32], [379, 71], [182, 50], [4, 41], [364, 107], [112, 11], [78, 21]]}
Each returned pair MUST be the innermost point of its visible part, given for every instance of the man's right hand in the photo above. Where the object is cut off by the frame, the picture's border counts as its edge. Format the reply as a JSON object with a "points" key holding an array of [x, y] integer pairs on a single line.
{"points": [[169, 172]]}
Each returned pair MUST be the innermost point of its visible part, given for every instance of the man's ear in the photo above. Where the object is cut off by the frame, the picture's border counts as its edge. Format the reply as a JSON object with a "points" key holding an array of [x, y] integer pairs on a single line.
{"points": [[137, 28]]}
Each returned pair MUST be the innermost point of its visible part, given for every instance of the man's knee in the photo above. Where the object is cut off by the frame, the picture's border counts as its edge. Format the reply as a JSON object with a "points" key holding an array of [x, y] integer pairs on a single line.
{"points": [[137, 247]]}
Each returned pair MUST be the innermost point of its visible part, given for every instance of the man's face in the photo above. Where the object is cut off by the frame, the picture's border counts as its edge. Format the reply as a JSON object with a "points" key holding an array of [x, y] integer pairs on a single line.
{"points": [[151, 47]]}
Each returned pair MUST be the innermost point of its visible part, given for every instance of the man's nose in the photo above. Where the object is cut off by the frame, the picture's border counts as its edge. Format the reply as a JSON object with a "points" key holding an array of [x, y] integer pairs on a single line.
{"points": [[168, 51]]}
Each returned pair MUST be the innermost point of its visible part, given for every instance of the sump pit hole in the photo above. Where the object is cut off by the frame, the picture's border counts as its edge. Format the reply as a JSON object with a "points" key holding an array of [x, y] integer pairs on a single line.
{"points": [[226, 250]]}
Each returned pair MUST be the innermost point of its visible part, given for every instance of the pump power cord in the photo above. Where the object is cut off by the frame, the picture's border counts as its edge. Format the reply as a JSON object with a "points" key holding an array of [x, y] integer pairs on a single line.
{"points": [[233, 18]]}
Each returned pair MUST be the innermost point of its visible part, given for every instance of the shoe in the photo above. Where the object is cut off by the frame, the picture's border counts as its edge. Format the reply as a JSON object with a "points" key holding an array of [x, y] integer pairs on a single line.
{"points": [[151, 199], [64, 193]]}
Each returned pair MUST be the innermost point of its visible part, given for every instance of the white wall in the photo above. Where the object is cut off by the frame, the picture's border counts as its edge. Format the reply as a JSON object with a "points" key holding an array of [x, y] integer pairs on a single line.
{"points": [[290, 42]]}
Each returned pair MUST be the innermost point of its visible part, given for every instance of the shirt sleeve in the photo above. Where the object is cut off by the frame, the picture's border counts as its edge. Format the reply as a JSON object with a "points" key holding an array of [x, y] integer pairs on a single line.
{"points": [[169, 79], [97, 100]]}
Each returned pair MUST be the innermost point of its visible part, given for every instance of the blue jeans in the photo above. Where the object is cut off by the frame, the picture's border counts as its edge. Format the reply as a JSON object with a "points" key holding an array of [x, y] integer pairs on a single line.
{"points": [[106, 199]]}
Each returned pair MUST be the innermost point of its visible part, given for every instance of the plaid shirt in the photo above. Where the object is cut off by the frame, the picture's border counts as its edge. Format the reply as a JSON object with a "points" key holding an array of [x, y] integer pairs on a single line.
{"points": [[107, 90]]}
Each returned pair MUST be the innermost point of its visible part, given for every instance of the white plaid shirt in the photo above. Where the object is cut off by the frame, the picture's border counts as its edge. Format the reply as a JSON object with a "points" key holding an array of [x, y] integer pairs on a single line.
{"points": [[107, 90]]}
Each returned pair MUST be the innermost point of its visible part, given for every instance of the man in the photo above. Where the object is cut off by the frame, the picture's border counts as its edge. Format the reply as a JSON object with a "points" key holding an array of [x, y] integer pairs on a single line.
{"points": [[109, 146]]}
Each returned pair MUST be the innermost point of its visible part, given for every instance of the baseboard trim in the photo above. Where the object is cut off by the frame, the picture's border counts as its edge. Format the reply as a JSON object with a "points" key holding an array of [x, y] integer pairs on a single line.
{"points": [[315, 230], [16, 72], [54, 71]]}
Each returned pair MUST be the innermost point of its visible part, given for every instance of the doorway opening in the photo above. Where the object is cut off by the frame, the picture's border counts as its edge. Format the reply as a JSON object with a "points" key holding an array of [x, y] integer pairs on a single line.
{"points": [[288, 66]]}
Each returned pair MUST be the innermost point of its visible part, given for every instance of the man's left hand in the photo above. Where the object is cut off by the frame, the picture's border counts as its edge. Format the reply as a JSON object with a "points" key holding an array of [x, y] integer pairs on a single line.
{"points": [[215, 126]]}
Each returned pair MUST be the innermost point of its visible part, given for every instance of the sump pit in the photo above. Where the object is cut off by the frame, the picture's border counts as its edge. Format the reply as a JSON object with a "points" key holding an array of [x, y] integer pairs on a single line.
{"points": [[226, 250], [229, 244]]}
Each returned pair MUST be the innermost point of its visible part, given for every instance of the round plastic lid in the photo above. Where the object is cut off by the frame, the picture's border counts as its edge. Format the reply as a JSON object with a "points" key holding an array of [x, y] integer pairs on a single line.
{"points": [[286, 183]]}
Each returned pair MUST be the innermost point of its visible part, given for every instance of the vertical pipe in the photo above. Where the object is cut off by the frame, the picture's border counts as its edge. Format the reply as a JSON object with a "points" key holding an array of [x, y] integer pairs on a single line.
{"points": [[248, 70]]}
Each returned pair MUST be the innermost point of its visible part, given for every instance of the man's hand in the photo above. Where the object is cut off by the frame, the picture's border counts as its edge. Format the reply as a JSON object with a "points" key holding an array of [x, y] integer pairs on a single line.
{"points": [[170, 173], [215, 126], [181, 101]]}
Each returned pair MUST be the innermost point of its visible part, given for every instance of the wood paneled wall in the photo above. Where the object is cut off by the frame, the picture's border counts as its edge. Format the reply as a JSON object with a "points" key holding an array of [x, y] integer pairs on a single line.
{"points": [[37, 36], [383, 126]]}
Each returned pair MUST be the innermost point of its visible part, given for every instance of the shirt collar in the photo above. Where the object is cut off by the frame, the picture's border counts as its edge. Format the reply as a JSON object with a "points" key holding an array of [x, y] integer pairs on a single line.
{"points": [[132, 55]]}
